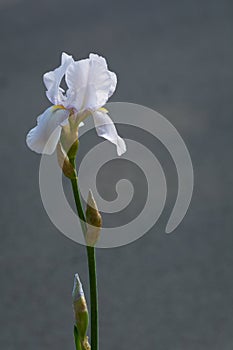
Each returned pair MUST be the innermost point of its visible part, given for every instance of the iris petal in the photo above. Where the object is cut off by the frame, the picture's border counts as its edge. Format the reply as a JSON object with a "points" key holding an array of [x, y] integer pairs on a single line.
{"points": [[106, 129], [90, 83], [44, 137], [52, 80]]}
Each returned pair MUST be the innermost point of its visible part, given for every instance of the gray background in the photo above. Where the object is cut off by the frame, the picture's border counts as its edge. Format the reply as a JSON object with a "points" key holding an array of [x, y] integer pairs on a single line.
{"points": [[161, 292]]}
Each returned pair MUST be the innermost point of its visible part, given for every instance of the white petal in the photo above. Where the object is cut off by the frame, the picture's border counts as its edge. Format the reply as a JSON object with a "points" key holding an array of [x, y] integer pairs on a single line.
{"points": [[44, 137], [113, 84], [77, 289], [90, 83], [52, 80], [76, 79], [113, 77], [106, 129]]}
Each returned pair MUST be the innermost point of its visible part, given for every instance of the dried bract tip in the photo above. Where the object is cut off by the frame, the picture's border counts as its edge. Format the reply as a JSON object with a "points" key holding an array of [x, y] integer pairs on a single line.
{"points": [[85, 344]]}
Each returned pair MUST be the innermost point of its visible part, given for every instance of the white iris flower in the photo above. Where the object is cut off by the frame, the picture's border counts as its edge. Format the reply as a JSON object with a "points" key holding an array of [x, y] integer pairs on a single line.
{"points": [[90, 84]]}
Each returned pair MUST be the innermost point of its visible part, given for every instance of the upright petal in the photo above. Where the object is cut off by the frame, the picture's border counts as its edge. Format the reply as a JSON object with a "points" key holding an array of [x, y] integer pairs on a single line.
{"points": [[94, 57], [52, 80], [76, 80], [90, 83], [106, 129], [44, 137]]}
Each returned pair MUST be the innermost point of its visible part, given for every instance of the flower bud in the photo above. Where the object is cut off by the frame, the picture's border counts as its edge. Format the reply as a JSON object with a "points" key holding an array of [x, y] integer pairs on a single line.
{"points": [[80, 312], [64, 163], [94, 221]]}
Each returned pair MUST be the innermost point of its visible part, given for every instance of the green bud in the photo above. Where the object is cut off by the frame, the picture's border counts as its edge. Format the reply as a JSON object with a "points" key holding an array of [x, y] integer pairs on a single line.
{"points": [[94, 221], [80, 311]]}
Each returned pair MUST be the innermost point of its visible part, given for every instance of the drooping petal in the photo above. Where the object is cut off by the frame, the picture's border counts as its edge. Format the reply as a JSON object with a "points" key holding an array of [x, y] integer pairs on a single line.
{"points": [[106, 129], [52, 80], [44, 137], [90, 83]]}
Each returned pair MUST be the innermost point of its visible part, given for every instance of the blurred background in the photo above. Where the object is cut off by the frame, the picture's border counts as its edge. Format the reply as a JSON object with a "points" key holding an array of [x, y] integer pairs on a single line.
{"points": [[163, 291]]}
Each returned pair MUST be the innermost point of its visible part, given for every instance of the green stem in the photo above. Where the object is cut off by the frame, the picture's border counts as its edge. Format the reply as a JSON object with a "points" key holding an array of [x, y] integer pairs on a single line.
{"points": [[92, 269], [94, 297], [78, 203]]}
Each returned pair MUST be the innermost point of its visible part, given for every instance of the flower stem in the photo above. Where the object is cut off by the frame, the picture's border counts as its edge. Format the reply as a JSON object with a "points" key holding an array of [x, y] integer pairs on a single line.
{"points": [[94, 297], [91, 266], [78, 203]]}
